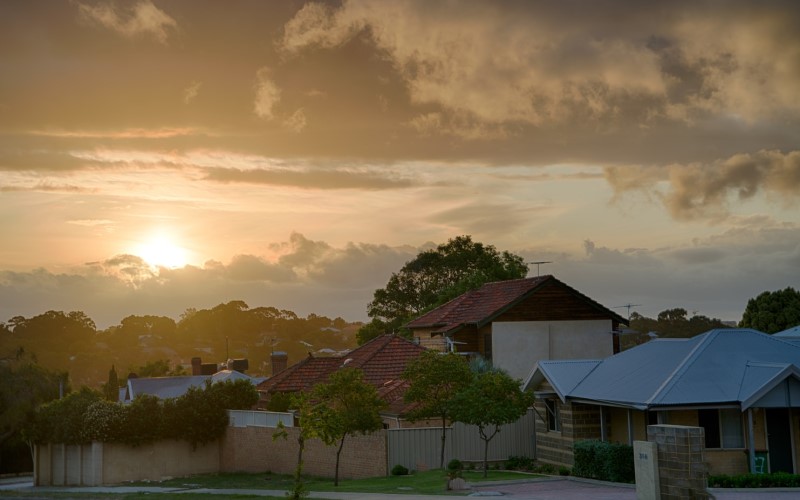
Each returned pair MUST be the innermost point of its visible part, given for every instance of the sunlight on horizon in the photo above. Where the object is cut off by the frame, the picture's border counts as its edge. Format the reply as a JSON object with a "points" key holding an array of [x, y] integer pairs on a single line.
{"points": [[161, 251]]}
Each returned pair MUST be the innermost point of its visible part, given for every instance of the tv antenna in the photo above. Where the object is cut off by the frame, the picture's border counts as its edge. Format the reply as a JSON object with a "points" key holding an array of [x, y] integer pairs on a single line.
{"points": [[628, 307], [539, 263]]}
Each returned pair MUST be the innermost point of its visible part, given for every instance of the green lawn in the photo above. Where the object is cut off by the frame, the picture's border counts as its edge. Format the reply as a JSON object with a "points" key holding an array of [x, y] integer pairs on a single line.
{"points": [[430, 482]]}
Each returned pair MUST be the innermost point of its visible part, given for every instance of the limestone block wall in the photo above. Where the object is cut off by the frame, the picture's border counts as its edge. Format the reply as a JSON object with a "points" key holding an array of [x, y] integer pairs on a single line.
{"points": [[681, 461]]}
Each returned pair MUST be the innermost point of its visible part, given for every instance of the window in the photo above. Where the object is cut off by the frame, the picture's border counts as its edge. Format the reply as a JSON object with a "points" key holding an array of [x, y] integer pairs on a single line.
{"points": [[553, 417], [487, 346], [723, 428]]}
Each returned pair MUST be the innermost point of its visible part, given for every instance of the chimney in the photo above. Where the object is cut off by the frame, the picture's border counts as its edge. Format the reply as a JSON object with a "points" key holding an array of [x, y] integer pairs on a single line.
{"points": [[280, 360], [197, 364]]}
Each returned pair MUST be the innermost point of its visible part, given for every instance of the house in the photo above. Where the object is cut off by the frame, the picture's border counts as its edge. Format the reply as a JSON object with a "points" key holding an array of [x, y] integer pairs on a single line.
{"points": [[740, 385], [514, 323], [173, 387], [382, 361]]}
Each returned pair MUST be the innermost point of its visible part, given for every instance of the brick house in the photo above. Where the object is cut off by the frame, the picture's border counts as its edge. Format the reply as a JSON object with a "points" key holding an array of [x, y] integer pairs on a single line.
{"points": [[382, 360], [740, 385], [515, 323]]}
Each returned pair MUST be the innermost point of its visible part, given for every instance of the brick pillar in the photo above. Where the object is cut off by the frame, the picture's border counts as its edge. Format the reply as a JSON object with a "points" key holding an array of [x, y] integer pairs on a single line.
{"points": [[681, 465]]}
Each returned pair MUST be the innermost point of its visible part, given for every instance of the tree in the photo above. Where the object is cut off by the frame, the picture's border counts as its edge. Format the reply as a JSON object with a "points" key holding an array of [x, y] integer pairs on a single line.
{"points": [[773, 312], [343, 406], [491, 400], [435, 276], [434, 379], [111, 388], [670, 323], [24, 387]]}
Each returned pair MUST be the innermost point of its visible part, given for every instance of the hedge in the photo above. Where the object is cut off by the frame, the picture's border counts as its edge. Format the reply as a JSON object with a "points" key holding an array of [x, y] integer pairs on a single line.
{"points": [[604, 461], [197, 417], [774, 480]]}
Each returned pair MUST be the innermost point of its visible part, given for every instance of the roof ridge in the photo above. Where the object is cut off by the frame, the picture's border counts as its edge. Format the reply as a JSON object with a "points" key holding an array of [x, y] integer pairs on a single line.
{"points": [[672, 378]]}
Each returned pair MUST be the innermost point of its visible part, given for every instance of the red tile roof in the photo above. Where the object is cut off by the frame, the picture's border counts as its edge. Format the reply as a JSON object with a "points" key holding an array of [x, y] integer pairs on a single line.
{"points": [[481, 306], [382, 360]]}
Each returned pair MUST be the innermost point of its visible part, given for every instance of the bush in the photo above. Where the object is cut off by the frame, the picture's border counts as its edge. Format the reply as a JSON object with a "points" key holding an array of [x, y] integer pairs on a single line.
{"points": [[399, 470], [774, 480], [455, 464], [604, 461], [563, 471], [519, 463]]}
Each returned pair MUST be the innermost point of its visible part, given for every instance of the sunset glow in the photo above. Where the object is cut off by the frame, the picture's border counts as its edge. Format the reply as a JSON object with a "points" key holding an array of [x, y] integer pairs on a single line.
{"points": [[157, 156]]}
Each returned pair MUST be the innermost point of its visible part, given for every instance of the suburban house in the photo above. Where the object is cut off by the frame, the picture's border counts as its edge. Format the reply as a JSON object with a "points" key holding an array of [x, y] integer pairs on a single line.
{"points": [[515, 323], [382, 360], [740, 385], [173, 387]]}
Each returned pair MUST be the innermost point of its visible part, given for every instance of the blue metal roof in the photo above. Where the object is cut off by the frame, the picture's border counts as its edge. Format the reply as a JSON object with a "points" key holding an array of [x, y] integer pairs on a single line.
{"points": [[718, 367]]}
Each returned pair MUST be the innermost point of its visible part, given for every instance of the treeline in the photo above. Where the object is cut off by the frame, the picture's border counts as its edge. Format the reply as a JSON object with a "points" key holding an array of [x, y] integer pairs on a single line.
{"points": [[70, 341]]}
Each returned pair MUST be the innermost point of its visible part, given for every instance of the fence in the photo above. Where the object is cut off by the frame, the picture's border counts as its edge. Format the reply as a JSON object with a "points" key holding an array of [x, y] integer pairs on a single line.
{"points": [[420, 449], [244, 418]]}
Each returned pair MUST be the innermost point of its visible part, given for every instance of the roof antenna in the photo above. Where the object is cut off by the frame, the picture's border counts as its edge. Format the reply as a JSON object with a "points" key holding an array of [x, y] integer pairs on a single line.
{"points": [[539, 263], [628, 306]]}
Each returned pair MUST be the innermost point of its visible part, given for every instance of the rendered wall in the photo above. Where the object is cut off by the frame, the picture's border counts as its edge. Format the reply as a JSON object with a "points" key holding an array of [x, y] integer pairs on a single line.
{"points": [[518, 345], [252, 449]]}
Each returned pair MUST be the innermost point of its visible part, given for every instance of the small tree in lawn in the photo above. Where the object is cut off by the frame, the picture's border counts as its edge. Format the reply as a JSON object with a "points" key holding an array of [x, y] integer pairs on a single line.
{"points": [[343, 406], [491, 400], [434, 379], [301, 403]]}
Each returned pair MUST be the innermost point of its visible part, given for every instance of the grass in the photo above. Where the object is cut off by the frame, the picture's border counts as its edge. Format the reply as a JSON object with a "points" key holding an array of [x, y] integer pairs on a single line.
{"points": [[429, 482], [423, 483]]}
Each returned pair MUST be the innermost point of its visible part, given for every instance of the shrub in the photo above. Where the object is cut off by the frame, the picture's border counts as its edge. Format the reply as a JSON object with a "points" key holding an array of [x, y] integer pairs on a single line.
{"points": [[604, 461], [519, 463], [773, 480], [545, 469], [399, 470], [455, 464], [563, 471]]}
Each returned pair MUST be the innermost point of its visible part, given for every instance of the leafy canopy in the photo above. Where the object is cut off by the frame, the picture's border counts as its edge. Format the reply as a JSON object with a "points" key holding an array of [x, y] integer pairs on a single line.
{"points": [[773, 312], [345, 405], [434, 380], [491, 400], [434, 277]]}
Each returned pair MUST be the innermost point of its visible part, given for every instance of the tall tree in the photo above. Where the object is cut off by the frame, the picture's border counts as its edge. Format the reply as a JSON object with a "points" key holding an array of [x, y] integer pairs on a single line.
{"points": [[111, 388], [343, 406], [491, 400], [435, 276], [24, 386], [773, 312], [434, 380]]}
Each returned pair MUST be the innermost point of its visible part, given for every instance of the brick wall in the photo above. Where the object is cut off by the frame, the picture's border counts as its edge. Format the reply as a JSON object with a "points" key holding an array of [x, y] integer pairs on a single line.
{"points": [[252, 449]]}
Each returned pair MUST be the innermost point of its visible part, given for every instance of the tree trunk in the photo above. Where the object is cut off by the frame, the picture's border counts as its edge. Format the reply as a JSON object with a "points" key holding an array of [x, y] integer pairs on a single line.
{"points": [[485, 457], [338, 453]]}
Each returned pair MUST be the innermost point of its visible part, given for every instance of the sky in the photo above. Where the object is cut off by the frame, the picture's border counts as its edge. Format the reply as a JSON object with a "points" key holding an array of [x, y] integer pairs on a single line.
{"points": [[162, 155]]}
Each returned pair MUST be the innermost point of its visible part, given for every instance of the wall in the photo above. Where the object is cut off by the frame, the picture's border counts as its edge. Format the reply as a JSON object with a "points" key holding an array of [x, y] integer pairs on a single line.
{"points": [[578, 422], [253, 449], [618, 425], [108, 463], [518, 345]]}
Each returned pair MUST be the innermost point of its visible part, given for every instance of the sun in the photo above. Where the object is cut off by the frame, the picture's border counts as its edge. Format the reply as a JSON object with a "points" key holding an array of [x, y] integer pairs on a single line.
{"points": [[161, 251]]}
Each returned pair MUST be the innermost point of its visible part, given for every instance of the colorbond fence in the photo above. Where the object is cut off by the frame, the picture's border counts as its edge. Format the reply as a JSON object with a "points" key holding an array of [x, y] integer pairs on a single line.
{"points": [[420, 449]]}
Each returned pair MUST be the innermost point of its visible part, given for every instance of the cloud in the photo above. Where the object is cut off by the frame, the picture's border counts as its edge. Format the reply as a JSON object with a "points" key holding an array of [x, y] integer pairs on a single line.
{"points": [[542, 64], [705, 190], [190, 92], [297, 122], [321, 178], [90, 222], [141, 19], [489, 219], [252, 268], [267, 94], [128, 133]]}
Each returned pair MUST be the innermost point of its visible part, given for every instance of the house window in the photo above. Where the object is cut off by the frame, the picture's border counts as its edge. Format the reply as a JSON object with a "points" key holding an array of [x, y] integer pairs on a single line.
{"points": [[723, 428], [553, 417], [487, 346]]}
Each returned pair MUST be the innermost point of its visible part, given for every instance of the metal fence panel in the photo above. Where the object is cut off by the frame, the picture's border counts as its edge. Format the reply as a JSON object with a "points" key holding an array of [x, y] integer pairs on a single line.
{"points": [[420, 448], [245, 418]]}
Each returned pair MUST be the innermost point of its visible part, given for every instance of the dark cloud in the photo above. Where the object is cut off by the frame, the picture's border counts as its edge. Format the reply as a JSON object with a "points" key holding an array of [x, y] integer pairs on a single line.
{"points": [[703, 190], [252, 268]]}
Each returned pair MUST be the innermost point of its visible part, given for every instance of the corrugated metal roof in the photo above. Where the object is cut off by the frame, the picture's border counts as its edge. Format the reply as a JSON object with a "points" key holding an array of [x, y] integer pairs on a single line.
{"points": [[720, 366], [789, 333]]}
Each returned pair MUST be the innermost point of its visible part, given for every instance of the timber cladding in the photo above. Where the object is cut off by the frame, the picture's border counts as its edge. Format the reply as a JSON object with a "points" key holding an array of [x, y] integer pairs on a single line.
{"points": [[554, 302]]}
